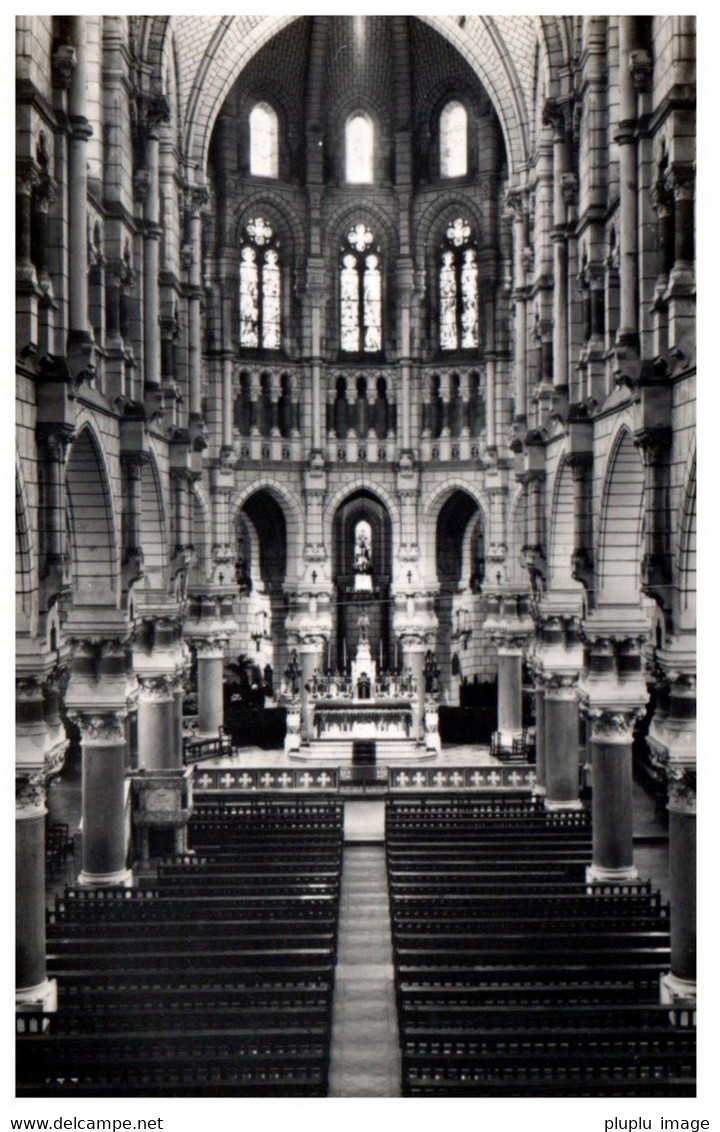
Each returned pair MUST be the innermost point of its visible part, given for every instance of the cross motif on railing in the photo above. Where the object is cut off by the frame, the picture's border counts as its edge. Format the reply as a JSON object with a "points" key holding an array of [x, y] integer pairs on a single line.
{"points": [[204, 781], [494, 778], [419, 778], [227, 781], [514, 777], [402, 778], [456, 778], [285, 779], [324, 779], [306, 779], [245, 780], [360, 237], [439, 778], [260, 231], [458, 233], [531, 778], [267, 779], [477, 778]]}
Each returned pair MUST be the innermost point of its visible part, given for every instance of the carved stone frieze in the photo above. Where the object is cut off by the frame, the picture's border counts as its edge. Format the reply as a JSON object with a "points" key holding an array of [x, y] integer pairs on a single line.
{"points": [[30, 796], [100, 729]]}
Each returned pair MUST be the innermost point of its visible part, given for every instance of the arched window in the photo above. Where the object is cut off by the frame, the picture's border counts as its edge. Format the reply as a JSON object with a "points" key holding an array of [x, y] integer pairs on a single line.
{"points": [[458, 287], [453, 140], [260, 287], [263, 141], [360, 293], [359, 145]]}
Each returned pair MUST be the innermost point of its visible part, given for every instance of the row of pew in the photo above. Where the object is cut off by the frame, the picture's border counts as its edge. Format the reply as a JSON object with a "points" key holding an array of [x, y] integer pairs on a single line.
{"points": [[213, 978], [513, 977]]}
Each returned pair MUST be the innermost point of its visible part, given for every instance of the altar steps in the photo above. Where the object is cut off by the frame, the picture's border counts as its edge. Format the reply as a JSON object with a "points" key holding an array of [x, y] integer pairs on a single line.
{"points": [[386, 750]]}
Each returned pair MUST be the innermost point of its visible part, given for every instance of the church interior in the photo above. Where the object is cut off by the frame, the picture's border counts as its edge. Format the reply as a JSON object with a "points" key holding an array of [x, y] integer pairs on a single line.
{"points": [[355, 556]]}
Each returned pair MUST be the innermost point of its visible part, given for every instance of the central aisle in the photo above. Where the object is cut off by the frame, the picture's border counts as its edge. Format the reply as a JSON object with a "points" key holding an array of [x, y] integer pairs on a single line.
{"points": [[364, 1053]]}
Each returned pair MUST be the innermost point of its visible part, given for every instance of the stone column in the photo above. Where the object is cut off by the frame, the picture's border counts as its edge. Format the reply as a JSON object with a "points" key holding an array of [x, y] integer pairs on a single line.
{"points": [[554, 113], [517, 203], [627, 333], [197, 198], [157, 731], [611, 733], [311, 650], [562, 767], [414, 659], [679, 986], [210, 653], [33, 988], [540, 759], [104, 839], [510, 722], [157, 111]]}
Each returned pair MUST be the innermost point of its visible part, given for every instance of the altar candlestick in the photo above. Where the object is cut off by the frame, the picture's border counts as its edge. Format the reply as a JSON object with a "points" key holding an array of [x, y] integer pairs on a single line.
{"points": [[344, 656], [381, 655]]}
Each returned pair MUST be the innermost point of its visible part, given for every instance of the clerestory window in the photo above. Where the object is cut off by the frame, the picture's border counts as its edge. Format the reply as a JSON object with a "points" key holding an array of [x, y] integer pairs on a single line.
{"points": [[453, 140], [359, 149], [263, 141]]}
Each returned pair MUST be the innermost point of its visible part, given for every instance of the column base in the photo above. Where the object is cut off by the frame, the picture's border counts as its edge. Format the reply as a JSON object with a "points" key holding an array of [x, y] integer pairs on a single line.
{"points": [[123, 878], [555, 807], [39, 999], [538, 791], [680, 994], [594, 874], [507, 737]]}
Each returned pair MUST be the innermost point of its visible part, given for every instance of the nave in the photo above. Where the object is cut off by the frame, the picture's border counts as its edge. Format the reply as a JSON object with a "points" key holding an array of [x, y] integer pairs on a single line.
{"points": [[263, 961]]}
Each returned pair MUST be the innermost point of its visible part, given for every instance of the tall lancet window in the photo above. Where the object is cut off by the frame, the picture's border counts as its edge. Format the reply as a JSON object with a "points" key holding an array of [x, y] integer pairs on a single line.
{"points": [[360, 293], [359, 147], [260, 287], [458, 288], [453, 140], [263, 141], [362, 556]]}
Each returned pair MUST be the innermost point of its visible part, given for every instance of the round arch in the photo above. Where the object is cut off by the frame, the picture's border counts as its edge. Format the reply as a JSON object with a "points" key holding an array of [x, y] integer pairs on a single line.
{"points": [[562, 530], [153, 522], [434, 501]]}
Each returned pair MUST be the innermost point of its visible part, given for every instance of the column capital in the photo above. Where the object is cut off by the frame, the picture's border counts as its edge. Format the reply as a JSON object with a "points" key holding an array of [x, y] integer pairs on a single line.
{"points": [[682, 789], [30, 796], [209, 648], [561, 686], [654, 444], [610, 724], [54, 438], [64, 62], [100, 729], [197, 198], [156, 689]]}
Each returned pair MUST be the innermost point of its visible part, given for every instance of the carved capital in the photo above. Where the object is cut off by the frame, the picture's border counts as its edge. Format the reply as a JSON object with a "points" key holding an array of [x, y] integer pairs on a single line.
{"points": [[27, 176], [101, 729], [654, 444], [640, 68], [64, 62], [155, 689], [609, 725], [30, 796], [54, 439], [682, 789], [197, 198], [209, 648], [561, 687]]}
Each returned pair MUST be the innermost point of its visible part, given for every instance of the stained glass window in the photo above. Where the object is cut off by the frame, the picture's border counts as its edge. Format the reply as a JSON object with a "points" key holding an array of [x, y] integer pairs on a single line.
{"points": [[263, 141], [453, 140], [458, 288], [260, 287], [360, 293], [359, 150]]}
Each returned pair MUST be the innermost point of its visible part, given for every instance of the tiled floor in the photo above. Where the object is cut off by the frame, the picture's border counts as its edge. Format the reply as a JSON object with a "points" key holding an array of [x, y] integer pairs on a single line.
{"points": [[364, 1055]]}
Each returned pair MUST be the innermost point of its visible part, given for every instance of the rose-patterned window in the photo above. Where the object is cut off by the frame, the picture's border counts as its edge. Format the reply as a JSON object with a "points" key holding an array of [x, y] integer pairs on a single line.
{"points": [[260, 287], [458, 288], [263, 141], [360, 293]]}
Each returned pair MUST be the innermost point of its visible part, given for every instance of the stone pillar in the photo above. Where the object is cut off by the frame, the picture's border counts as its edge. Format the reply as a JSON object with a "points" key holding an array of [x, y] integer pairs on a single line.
{"points": [[33, 988], [679, 986], [627, 154], [197, 198], [157, 110], [414, 659], [562, 766], [517, 202], [157, 729], [312, 650], [540, 759], [104, 839], [509, 691], [210, 654], [611, 733]]}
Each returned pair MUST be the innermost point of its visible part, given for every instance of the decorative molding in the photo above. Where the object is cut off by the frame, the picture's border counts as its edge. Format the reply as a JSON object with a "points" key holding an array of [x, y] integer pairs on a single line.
{"points": [[100, 729], [156, 689], [682, 789], [612, 725], [30, 797]]}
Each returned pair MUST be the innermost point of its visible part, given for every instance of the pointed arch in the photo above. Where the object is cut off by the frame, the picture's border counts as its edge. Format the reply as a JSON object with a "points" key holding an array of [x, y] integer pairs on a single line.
{"points": [[686, 547], [25, 558], [153, 523], [292, 513], [621, 521], [375, 489], [92, 525], [435, 500]]}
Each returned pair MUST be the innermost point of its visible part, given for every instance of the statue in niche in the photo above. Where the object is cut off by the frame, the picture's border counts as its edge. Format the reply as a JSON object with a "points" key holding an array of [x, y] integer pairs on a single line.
{"points": [[362, 563], [363, 629]]}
